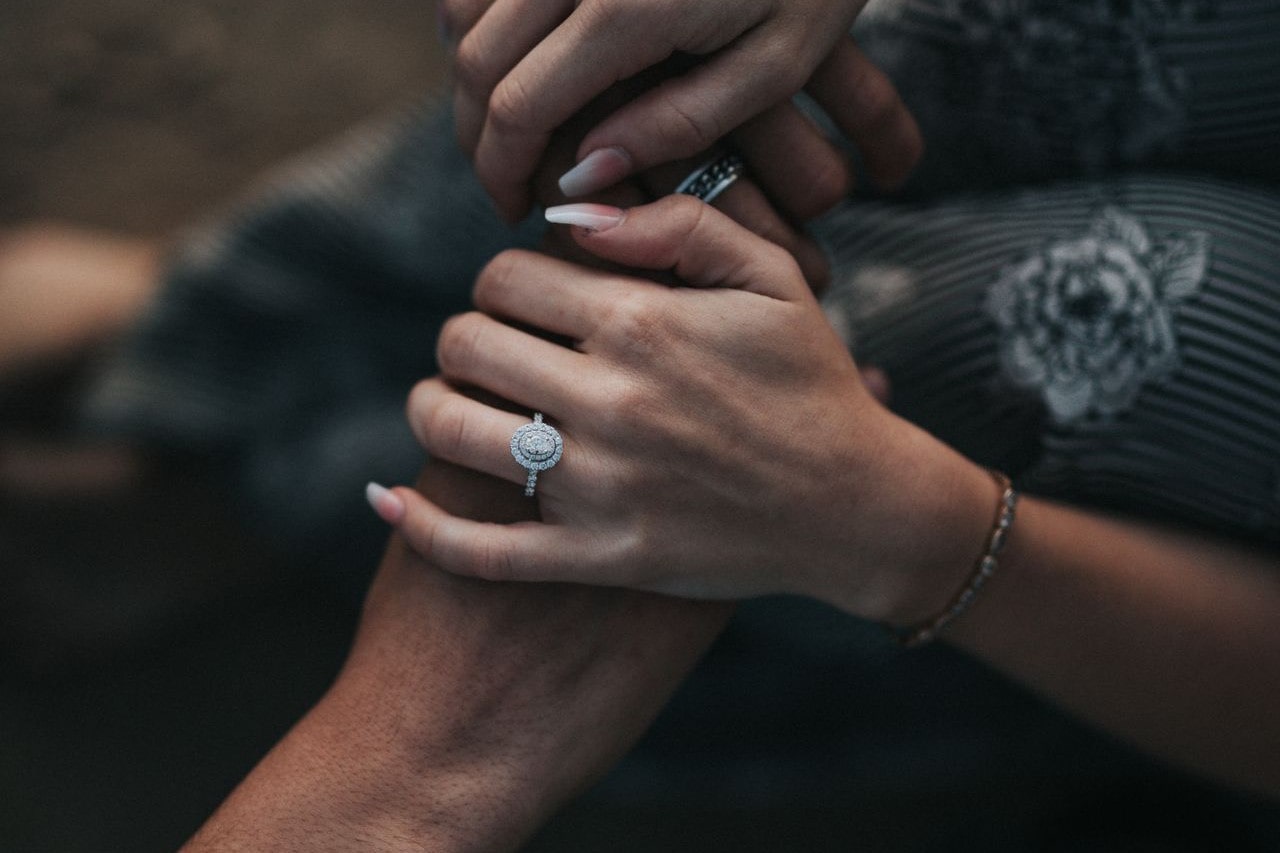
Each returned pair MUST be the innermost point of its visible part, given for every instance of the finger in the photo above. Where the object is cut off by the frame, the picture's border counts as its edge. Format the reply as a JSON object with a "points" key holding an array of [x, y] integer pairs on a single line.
{"points": [[478, 350], [700, 245], [877, 383], [491, 48], [747, 205], [548, 294], [866, 106], [458, 429], [691, 112], [585, 55], [459, 16], [524, 551], [794, 162]]}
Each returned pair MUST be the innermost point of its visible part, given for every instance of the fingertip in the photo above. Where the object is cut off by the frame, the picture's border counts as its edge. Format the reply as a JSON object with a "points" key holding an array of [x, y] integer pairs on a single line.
{"points": [[890, 173], [388, 505]]}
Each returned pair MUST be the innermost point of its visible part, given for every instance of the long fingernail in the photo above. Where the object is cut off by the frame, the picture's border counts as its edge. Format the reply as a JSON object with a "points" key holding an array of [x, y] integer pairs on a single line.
{"points": [[593, 217], [602, 168], [386, 503]]}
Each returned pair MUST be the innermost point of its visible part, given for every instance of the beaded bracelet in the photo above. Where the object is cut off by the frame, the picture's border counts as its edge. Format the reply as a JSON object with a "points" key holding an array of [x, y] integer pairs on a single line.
{"points": [[986, 567]]}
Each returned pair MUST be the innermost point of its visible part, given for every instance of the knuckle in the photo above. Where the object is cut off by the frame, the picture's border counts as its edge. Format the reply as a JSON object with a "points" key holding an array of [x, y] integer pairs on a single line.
{"points": [[820, 186], [778, 61], [636, 325], [620, 405], [421, 535], [459, 343], [687, 210], [511, 107], [684, 131], [874, 99], [492, 561], [598, 18], [417, 408], [445, 429], [498, 278], [472, 70]]}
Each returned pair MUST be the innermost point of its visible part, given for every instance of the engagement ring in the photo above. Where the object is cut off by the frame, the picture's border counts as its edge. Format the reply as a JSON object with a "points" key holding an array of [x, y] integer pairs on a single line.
{"points": [[536, 446]]}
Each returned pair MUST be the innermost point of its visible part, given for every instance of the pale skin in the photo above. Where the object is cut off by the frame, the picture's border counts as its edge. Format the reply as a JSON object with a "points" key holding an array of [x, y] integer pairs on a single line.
{"points": [[469, 711], [769, 468], [524, 69]]}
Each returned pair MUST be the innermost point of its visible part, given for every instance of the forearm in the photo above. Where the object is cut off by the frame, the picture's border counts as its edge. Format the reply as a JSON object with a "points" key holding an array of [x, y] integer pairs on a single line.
{"points": [[382, 762], [1166, 639], [467, 712], [327, 786]]}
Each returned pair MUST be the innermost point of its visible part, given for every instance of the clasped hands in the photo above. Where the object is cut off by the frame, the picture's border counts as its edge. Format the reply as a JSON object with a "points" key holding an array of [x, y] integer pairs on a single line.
{"points": [[719, 440]]}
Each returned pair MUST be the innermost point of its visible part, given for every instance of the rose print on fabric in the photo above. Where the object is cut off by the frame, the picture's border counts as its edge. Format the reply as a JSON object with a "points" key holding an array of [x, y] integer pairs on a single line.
{"points": [[1087, 321]]}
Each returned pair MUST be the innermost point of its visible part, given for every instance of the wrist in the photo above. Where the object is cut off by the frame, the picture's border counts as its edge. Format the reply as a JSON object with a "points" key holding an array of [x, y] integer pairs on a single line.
{"points": [[924, 536]]}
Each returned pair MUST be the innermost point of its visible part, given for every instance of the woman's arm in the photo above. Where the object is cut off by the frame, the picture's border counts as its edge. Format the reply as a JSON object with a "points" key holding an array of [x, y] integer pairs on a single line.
{"points": [[1165, 638], [719, 445]]}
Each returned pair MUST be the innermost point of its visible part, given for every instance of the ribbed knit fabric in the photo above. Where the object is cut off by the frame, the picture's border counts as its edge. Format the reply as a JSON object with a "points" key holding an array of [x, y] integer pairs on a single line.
{"points": [[1107, 334], [1012, 91], [1102, 380]]}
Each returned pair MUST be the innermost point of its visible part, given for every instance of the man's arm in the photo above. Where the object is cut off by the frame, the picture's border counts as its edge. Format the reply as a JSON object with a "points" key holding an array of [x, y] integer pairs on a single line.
{"points": [[467, 712]]}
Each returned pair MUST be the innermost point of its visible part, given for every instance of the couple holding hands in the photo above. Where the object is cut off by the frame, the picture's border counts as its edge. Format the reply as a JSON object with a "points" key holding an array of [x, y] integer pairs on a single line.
{"points": [[707, 437]]}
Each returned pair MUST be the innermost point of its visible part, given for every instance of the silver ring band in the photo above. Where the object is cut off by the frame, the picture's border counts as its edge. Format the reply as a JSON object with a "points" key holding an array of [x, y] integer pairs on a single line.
{"points": [[537, 446], [712, 178]]}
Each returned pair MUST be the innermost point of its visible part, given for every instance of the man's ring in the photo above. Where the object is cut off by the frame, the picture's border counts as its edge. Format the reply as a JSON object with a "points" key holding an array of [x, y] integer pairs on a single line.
{"points": [[536, 446], [712, 178]]}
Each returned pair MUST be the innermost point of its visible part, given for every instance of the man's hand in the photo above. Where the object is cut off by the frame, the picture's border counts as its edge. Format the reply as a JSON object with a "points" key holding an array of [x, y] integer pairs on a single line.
{"points": [[468, 711]]}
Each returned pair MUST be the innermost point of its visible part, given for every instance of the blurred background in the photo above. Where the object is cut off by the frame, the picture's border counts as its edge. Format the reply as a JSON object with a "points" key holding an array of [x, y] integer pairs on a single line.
{"points": [[150, 651]]}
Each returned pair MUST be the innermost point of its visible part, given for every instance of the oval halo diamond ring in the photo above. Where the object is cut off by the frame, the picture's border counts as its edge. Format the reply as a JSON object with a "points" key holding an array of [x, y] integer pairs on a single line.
{"points": [[536, 446]]}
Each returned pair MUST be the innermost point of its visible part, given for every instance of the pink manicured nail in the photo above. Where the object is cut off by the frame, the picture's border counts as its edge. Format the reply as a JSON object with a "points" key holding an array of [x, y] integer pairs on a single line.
{"points": [[386, 503], [593, 217], [601, 168]]}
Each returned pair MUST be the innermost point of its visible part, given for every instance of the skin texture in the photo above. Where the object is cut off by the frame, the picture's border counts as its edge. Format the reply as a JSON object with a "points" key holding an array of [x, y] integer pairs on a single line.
{"points": [[755, 473], [467, 711], [524, 69], [769, 468]]}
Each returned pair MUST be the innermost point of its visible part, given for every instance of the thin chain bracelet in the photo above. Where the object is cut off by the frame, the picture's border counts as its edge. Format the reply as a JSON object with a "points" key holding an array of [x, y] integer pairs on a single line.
{"points": [[1006, 509]]}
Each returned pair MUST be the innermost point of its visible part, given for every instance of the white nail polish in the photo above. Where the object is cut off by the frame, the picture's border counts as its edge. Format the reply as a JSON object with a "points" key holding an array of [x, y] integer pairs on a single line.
{"points": [[385, 503], [602, 168], [593, 217]]}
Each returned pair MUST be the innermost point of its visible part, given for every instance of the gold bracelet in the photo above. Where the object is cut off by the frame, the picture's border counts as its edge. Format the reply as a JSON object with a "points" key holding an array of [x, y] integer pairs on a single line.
{"points": [[986, 567]]}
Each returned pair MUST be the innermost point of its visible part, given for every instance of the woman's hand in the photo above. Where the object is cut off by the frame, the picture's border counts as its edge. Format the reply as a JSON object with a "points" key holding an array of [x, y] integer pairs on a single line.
{"points": [[718, 439], [524, 69]]}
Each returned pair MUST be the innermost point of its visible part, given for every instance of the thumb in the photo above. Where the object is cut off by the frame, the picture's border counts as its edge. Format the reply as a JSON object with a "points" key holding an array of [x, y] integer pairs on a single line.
{"points": [[688, 238]]}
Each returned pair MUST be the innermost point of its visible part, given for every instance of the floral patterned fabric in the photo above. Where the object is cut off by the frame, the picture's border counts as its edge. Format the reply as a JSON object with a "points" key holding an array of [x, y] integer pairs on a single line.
{"points": [[1011, 91], [1112, 343], [1087, 321], [1111, 340]]}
